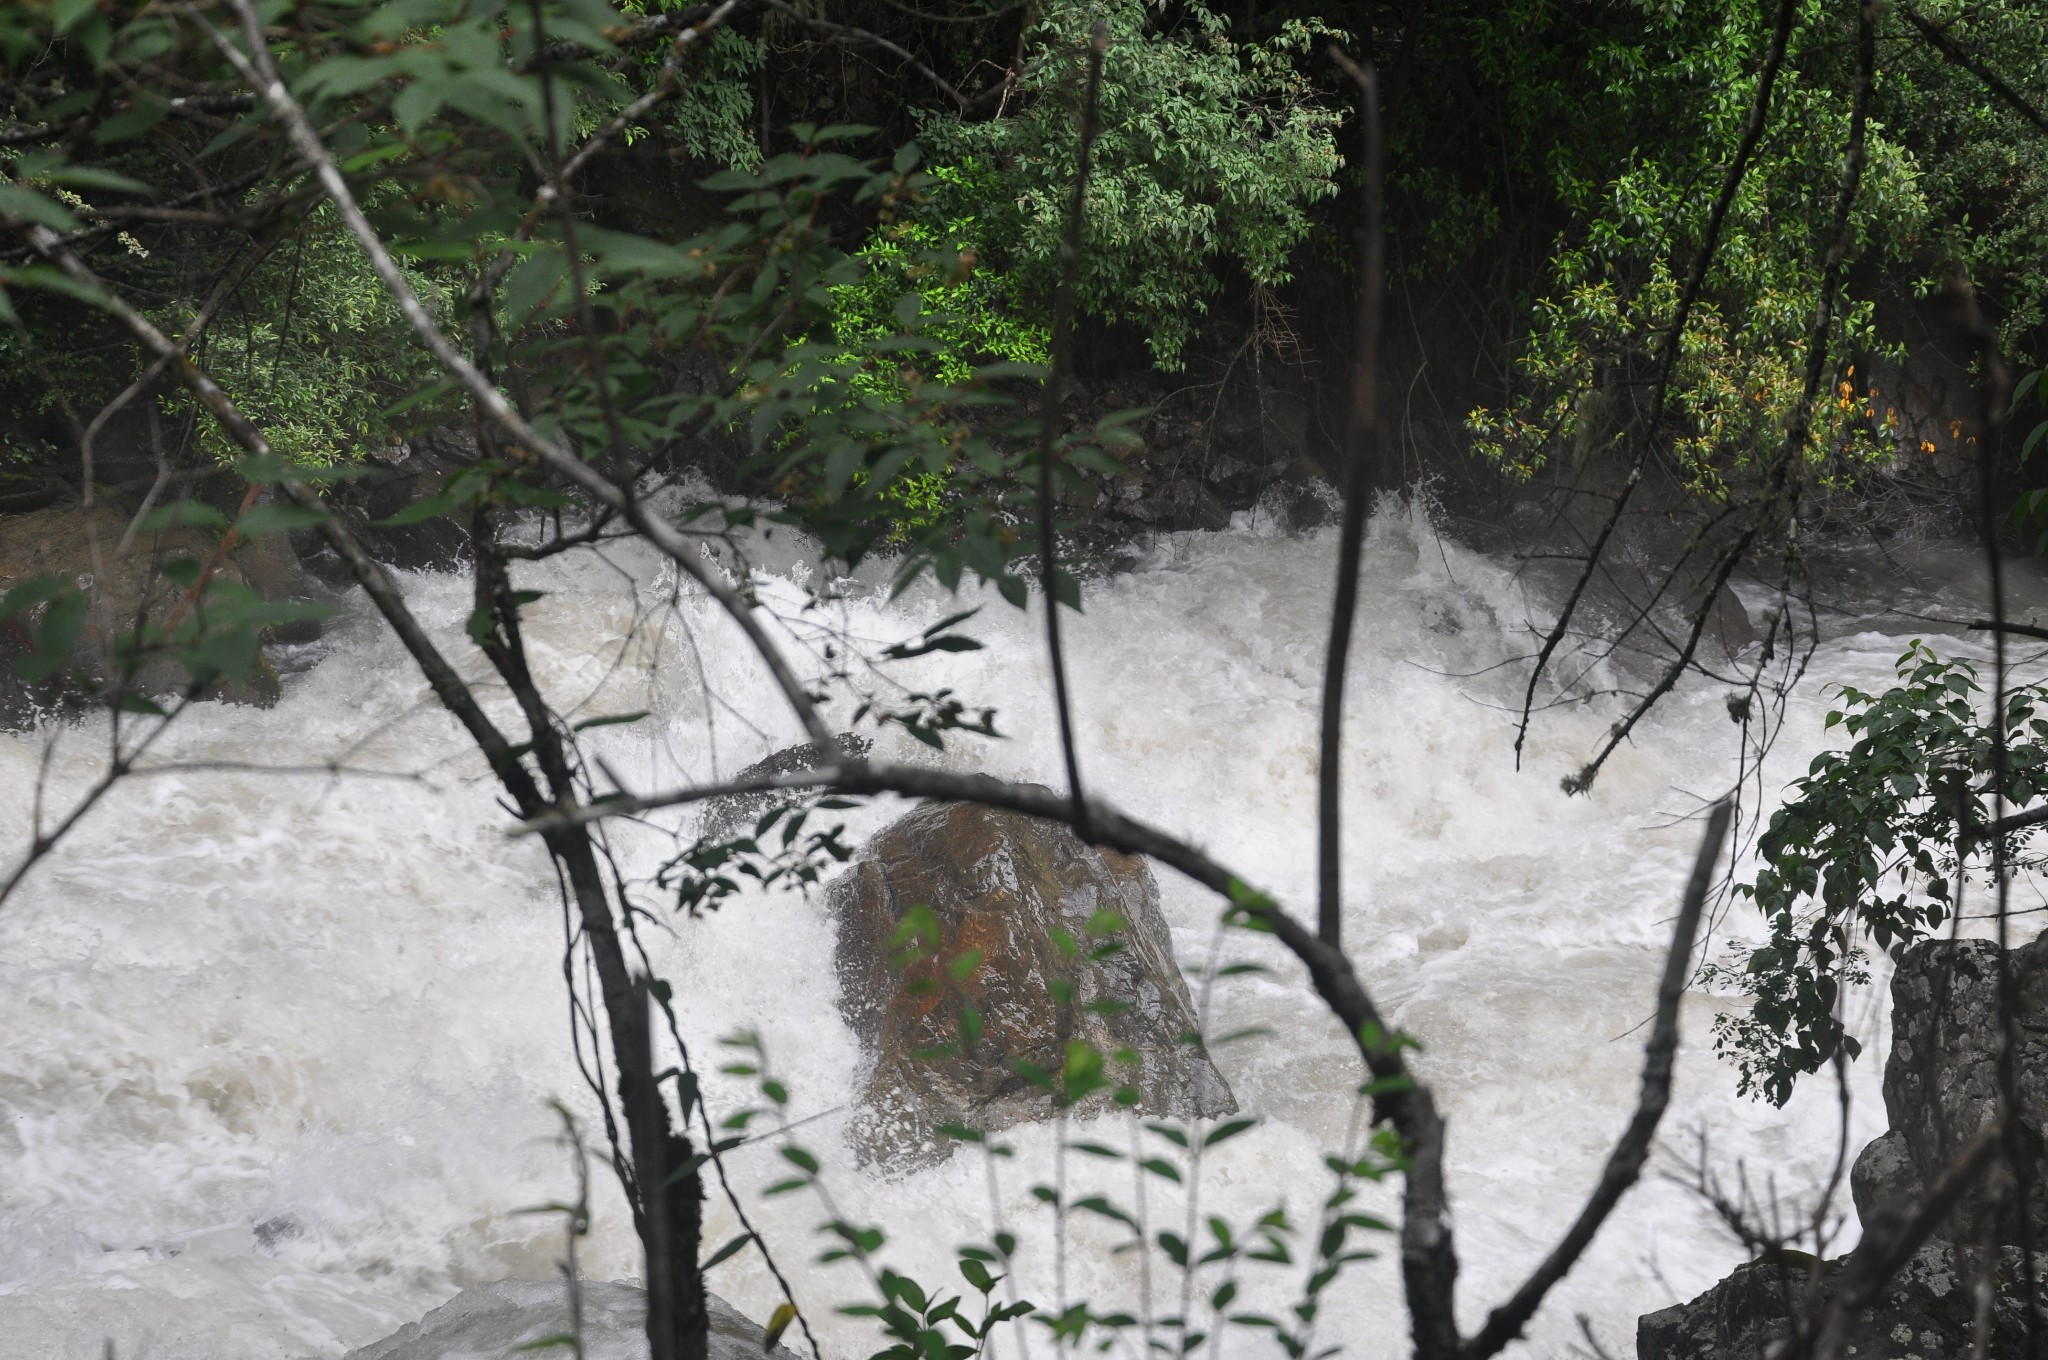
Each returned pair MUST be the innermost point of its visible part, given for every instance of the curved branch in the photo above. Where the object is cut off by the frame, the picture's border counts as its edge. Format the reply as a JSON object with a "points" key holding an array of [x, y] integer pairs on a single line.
{"points": [[862, 35], [1937, 38], [1429, 1260], [2007, 626], [1783, 467]]}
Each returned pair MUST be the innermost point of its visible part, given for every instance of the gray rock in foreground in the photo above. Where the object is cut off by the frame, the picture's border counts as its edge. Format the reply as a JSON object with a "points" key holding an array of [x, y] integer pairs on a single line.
{"points": [[1941, 1084], [1926, 1313], [488, 1321]]}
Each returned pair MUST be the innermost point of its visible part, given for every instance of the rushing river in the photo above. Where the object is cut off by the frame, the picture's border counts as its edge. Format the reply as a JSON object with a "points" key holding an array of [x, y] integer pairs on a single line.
{"points": [[278, 1047]]}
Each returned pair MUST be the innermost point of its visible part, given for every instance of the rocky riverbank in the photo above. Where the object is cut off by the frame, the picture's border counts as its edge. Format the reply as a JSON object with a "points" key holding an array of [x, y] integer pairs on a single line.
{"points": [[1965, 1291]]}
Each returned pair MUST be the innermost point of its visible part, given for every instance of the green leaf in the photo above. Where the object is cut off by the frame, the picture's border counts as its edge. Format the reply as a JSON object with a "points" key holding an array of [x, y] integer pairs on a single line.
{"points": [[778, 1323], [440, 503], [128, 124], [34, 591], [182, 514], [56, 637], [727, 1251], [1224, 1132], [608, 720], [30, 206]]}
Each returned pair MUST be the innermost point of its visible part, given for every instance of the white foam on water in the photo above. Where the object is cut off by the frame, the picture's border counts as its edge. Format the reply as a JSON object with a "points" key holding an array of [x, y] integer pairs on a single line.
{"points": [[279, 1047]]}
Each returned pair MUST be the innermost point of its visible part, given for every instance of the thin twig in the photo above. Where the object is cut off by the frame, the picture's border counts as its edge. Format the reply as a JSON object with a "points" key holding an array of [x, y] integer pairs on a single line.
{"points": [[1889, 1243], [261, 72], [1782, 483], [2019, 1158]]}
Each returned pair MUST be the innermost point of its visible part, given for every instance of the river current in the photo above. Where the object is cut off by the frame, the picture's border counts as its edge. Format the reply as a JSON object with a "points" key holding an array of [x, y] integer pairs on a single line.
{"points": [[280, 1046]]}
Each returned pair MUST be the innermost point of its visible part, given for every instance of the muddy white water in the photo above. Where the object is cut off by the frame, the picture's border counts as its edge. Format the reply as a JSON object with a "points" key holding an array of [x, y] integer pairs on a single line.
{"points": [[278, 1048]]}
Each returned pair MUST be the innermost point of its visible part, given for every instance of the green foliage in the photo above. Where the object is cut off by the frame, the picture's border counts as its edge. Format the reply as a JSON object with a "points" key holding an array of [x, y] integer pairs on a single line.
{"points": [[1616, 273], [924, 276], [1864, 846], [1977, 162], [927, 274], [1210, 150], [712, 114], [314, 348]]}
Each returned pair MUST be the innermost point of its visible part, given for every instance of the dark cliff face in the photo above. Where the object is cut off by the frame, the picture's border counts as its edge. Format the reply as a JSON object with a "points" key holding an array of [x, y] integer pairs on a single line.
{"points": [[1929, 1311], [1940, 1090], [1941, 1084]]}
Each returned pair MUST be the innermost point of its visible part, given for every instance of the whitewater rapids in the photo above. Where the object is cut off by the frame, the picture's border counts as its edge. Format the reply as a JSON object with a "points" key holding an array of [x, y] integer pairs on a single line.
{"points": [[279, 1047]]}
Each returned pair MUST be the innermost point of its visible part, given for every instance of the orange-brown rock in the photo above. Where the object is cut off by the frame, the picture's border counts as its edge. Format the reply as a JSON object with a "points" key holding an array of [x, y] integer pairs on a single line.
{"points": [[1048, 941]]}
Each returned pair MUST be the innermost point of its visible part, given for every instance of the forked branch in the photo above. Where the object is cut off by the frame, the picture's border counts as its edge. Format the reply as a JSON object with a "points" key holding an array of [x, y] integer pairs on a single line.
{"points": [[1710, 242]]}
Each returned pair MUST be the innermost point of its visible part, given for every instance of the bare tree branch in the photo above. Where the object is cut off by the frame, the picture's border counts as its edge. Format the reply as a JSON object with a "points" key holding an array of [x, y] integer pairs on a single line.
{"points": [[2008, 626], [1049, 420], [2019, 1157], [1937, 38], [1752, 134], [1361, 456], [1429, 1260], [1781, 484], [1890, 1242], [862, 35]]}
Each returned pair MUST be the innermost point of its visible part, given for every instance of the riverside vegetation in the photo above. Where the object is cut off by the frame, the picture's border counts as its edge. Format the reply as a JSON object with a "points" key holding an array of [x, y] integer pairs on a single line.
{"points": [[255, 247]]}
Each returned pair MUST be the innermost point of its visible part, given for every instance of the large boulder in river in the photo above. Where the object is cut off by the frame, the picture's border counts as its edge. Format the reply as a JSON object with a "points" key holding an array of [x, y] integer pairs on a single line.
{"points": [[1927, 1312], [958, 911], [491, 1321], [1941, 1083]]}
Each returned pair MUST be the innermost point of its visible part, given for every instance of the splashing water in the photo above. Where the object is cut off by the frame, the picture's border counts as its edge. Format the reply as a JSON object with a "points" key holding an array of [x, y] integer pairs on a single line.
{"points": [[280, 1045]]}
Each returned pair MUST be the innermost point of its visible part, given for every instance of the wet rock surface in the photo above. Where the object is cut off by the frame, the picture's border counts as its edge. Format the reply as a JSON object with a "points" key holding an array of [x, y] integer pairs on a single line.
{"points": [[733, 813], [1941, 1082], [1928, 1311], [124, 583], [396, 476], [491, 1321], [1940, 1089], [1021, 910]]}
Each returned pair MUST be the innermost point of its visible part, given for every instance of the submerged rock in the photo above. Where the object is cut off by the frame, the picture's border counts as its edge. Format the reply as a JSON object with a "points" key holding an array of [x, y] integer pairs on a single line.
{"points": [[1941, 1082], [491, 1321], [732, 813], [1928, 1311], [395, 478], [1020, 907]]}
